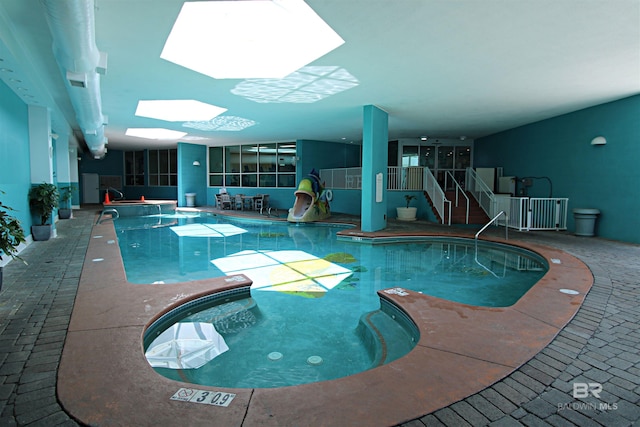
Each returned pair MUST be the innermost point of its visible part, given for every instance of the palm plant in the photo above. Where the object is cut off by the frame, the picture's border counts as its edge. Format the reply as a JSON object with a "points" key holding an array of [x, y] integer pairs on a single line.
{"points": [[43, 199], [11, 232]]}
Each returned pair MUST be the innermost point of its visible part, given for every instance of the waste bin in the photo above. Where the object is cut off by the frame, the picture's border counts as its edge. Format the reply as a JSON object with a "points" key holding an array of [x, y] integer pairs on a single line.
{"points": [[585, 221], [191, 199]]}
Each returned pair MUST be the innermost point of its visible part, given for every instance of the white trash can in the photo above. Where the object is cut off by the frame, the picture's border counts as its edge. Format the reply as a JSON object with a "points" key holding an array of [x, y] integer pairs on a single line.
{"points": [[191, 199], [585, 220]]}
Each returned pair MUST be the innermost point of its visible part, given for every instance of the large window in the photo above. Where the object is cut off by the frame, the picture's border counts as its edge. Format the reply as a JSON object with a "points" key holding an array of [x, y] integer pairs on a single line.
{"points": [[163, 167], [134, 168], [262, 165]]}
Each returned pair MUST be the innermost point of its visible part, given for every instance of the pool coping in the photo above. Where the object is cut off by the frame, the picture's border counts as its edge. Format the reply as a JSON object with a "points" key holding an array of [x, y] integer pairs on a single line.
{"points": [[104, 378]]}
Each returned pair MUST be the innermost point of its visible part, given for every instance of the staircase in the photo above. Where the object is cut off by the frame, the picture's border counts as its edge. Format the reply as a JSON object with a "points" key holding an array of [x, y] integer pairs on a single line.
{"points": [[458, 214]]}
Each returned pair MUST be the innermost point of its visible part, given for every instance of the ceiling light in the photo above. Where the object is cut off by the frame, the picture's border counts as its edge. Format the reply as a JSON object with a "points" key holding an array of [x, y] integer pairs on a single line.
{"points": [[599, 140], [179, 110], [248, 39], [423, 138], [154, 133]]}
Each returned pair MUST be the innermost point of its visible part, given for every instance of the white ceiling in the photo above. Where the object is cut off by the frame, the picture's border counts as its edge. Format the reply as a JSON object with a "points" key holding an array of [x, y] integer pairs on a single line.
{"points": [[439, 67]]}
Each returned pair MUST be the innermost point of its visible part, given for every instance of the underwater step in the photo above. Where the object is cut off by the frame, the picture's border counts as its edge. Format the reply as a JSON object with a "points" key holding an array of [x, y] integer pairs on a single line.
{"points": [[231, 317], [385, 338]]}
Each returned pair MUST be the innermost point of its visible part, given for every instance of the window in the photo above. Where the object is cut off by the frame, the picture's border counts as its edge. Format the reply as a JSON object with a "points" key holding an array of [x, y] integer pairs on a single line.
{"points": [[163, 167], [261, 165], [134, 168]]}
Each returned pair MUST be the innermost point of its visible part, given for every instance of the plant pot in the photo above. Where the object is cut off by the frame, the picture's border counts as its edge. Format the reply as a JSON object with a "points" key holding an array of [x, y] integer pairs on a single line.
{"points": [[41, 232], [64, 213], [407, 214]]}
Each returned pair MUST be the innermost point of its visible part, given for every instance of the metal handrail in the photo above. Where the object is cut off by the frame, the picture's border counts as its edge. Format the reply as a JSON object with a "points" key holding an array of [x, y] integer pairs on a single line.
{"points": [[506, 229], [111, 211], [120, 193], [437, 196], [459, 189]]}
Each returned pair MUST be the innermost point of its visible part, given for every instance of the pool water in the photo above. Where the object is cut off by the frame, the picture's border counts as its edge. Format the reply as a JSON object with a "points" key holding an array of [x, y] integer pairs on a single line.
{"points": [[313, 313]]}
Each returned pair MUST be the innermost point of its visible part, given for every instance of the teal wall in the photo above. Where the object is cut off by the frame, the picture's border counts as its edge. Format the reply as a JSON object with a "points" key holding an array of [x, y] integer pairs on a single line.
{"points": [[329, 155], [192, 179], [15, 175], [602, 177]]}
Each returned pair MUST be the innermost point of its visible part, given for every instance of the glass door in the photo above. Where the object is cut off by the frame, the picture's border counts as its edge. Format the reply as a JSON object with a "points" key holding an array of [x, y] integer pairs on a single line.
{"points": [[440, 159]]}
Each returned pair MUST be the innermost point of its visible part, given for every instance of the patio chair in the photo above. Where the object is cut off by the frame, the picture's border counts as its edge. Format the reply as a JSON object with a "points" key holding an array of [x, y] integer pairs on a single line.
{"points": [[238, 202], [224, 201], [261, 202]]}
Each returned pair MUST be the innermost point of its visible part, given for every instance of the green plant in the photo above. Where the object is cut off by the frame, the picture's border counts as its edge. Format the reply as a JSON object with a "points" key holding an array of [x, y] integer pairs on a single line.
{"points": [[409, 198], [66, 194], [43, 199], [11, 232]]}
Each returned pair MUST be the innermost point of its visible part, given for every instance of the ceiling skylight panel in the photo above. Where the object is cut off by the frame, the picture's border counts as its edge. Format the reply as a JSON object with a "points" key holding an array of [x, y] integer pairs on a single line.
{"points": [[248, 39], [155, 133], [178, 110]]}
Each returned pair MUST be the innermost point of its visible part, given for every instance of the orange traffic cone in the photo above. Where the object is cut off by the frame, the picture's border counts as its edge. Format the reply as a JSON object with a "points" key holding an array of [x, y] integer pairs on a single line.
{"points": [[106, 198], [142, 198]]}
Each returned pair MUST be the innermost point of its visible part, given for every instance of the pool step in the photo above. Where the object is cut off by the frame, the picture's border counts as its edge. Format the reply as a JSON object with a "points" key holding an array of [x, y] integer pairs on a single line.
{"points": [[230, 317], [384, 337]]}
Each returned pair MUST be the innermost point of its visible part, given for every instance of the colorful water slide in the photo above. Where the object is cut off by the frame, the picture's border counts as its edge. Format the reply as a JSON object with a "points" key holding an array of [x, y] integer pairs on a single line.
{"points": [[312, 200]]}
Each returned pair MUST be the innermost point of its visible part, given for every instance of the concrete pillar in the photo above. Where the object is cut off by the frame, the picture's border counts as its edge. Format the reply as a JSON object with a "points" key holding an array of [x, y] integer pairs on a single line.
{"points": [[40, 147], [375, 140]]}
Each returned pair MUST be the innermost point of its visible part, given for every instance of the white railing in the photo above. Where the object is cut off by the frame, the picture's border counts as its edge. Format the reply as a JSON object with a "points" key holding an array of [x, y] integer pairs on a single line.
{"points": [[458, 190], [404, 178], [482, 193], [438, 199], [398, 178], [527, 214], [342, 178]]}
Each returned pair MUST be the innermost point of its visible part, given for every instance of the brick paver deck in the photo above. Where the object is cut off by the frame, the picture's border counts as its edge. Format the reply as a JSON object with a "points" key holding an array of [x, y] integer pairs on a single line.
{"points": [[601, 345]]}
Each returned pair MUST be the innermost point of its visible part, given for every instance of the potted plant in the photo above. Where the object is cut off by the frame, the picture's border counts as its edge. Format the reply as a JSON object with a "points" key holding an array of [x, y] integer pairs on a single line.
{"points": [[11, 235], [43, 199], [407, 213], [66, 194]]}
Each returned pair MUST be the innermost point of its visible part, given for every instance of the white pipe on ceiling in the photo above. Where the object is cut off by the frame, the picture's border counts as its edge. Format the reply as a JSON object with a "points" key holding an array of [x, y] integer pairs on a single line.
{"points": [[72, 26]]}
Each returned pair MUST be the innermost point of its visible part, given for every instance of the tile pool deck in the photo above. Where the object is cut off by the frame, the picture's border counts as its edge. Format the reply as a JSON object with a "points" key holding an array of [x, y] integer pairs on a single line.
{"points": [[473, 383]]}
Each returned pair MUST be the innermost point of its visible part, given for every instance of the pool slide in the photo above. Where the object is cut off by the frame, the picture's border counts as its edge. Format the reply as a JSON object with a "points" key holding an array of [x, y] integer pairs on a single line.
{"points": [[312, 200]]}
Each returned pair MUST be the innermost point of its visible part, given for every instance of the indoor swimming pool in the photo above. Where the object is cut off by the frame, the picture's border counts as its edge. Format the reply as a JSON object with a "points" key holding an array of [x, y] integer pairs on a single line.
{"points": [[313, 312]]}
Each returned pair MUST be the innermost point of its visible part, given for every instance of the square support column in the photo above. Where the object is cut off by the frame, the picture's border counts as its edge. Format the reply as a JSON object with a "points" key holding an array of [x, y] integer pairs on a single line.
{"points": [[375, 142]]}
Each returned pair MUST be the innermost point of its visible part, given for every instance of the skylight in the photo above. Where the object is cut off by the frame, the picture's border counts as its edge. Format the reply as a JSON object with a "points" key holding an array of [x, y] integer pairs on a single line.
{"points": [[248, 39], [307, 85], [154, 133], [222, 123], [178, 110]]}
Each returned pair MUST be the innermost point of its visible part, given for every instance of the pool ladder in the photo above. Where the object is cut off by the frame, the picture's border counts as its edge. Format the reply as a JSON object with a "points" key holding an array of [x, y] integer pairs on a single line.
{"points": [[506, 236], [114, 214], [506, 226]]}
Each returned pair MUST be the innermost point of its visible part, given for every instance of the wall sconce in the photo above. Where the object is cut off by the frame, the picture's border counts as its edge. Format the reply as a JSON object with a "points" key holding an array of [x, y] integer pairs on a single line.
{"points": [[598, 140], [196, 163]]}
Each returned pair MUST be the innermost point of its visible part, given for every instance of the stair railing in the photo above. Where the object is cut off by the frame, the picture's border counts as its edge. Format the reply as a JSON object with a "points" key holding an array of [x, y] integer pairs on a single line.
{"points": [[458, 190], [437, 196], [481, 192]]}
